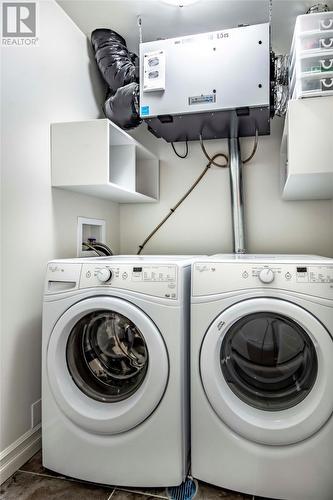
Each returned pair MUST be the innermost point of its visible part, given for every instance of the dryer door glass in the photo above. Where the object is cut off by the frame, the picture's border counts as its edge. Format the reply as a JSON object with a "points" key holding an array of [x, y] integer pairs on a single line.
{"points": [[107, 356], [268, 361]]}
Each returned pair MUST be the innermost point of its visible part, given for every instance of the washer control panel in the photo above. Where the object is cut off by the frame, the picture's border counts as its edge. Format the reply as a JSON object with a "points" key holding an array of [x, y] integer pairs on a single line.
{"points": [[158, 280], [212, 278]]}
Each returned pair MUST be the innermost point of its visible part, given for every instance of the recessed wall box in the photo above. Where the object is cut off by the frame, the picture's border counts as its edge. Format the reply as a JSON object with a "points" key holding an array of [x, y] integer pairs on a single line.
{"points": [[202, 80], [88, 228]]}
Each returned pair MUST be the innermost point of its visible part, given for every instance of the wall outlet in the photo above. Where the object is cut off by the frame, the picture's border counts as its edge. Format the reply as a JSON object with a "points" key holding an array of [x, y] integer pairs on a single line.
{"points": [[36, 413], [89, 228]]}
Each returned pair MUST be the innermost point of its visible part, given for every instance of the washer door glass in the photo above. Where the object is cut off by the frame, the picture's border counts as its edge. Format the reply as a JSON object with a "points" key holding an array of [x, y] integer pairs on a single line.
{"points": [[266, 369], [107, 364], [268, 361], [107, 356]]}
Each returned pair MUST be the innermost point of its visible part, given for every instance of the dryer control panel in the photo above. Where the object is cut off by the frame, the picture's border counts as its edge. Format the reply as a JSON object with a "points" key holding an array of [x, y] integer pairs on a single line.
{"points": [[211, 278]]}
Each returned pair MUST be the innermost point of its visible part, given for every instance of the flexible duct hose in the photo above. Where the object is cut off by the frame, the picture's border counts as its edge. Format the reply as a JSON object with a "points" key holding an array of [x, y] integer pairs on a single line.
{"points": [[120, 70], [115, 62], [122, 107]]}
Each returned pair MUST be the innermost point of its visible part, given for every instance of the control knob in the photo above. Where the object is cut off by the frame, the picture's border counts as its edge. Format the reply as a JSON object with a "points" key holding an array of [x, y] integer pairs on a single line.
{"points": [[104, 274], [266, 275]]}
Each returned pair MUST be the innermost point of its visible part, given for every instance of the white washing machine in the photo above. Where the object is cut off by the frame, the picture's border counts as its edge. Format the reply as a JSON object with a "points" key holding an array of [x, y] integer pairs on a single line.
{"points": [[115, 396], [262, 375]]}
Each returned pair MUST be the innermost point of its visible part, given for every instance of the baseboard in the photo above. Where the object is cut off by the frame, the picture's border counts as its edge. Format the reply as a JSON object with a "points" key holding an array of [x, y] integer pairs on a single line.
{"points": [[19, 452]]}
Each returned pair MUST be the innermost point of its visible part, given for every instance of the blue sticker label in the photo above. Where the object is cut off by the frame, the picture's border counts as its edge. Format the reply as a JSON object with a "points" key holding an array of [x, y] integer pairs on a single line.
{"points": [[144, 110]]}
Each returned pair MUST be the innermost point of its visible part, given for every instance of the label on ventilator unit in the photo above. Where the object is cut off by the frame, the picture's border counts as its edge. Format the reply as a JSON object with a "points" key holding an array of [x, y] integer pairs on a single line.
{"points": [[202, 99], [154, 71]]}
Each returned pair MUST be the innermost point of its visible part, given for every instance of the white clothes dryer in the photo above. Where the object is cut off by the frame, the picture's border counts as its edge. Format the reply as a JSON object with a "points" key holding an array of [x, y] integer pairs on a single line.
{"points": [[262, 375], [115, 392]]}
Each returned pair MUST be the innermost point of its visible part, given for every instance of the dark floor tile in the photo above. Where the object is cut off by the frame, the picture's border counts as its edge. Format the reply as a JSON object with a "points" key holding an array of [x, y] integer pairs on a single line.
{"points": [[35, 465], [132, 495], [146, 492], [209, 492], [29, 486]]}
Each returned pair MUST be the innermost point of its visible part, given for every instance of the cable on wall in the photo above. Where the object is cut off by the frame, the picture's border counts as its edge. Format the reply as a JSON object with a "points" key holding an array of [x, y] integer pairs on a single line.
{"points": [[211, 161], [188, 192], [179, 155], [254, 149]]}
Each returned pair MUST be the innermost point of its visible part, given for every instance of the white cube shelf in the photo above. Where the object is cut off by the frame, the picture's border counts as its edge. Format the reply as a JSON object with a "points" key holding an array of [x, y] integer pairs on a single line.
{"points": [[98, 158], [307, 150]]}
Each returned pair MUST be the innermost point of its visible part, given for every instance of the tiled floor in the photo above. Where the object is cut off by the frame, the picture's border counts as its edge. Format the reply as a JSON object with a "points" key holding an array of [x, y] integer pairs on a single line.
{"points": [[34, 482]]}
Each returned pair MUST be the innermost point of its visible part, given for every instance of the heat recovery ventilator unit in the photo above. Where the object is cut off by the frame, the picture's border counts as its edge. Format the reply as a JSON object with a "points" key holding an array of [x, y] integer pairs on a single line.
{"points": [[215, 84]]}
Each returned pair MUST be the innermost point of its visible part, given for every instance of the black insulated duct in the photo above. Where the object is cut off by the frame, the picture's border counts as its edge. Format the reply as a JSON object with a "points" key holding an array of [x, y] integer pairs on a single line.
{"points": [[120, 70], [122, 107], [118, 66]]}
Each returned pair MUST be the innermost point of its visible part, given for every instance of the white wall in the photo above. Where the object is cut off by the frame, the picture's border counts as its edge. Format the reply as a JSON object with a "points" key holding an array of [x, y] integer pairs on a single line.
{"points": [[203, 223], [53, 82]]}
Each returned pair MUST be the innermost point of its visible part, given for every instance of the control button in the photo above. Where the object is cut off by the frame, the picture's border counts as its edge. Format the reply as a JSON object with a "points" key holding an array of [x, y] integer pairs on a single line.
{"points": [[266, 275], [124, 276], [104, 274], [288, 276], [245, 274], [88, 274]]}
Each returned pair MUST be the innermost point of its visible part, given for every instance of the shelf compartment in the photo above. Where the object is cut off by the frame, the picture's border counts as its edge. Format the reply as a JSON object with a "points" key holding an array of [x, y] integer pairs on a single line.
{"points": [[313, 23], [312, 85], [98, 158], [312, 31]]}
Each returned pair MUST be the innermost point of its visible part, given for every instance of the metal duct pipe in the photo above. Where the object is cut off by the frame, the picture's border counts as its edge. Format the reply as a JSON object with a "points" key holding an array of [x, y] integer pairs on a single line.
{"points": [[236, 187]]}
